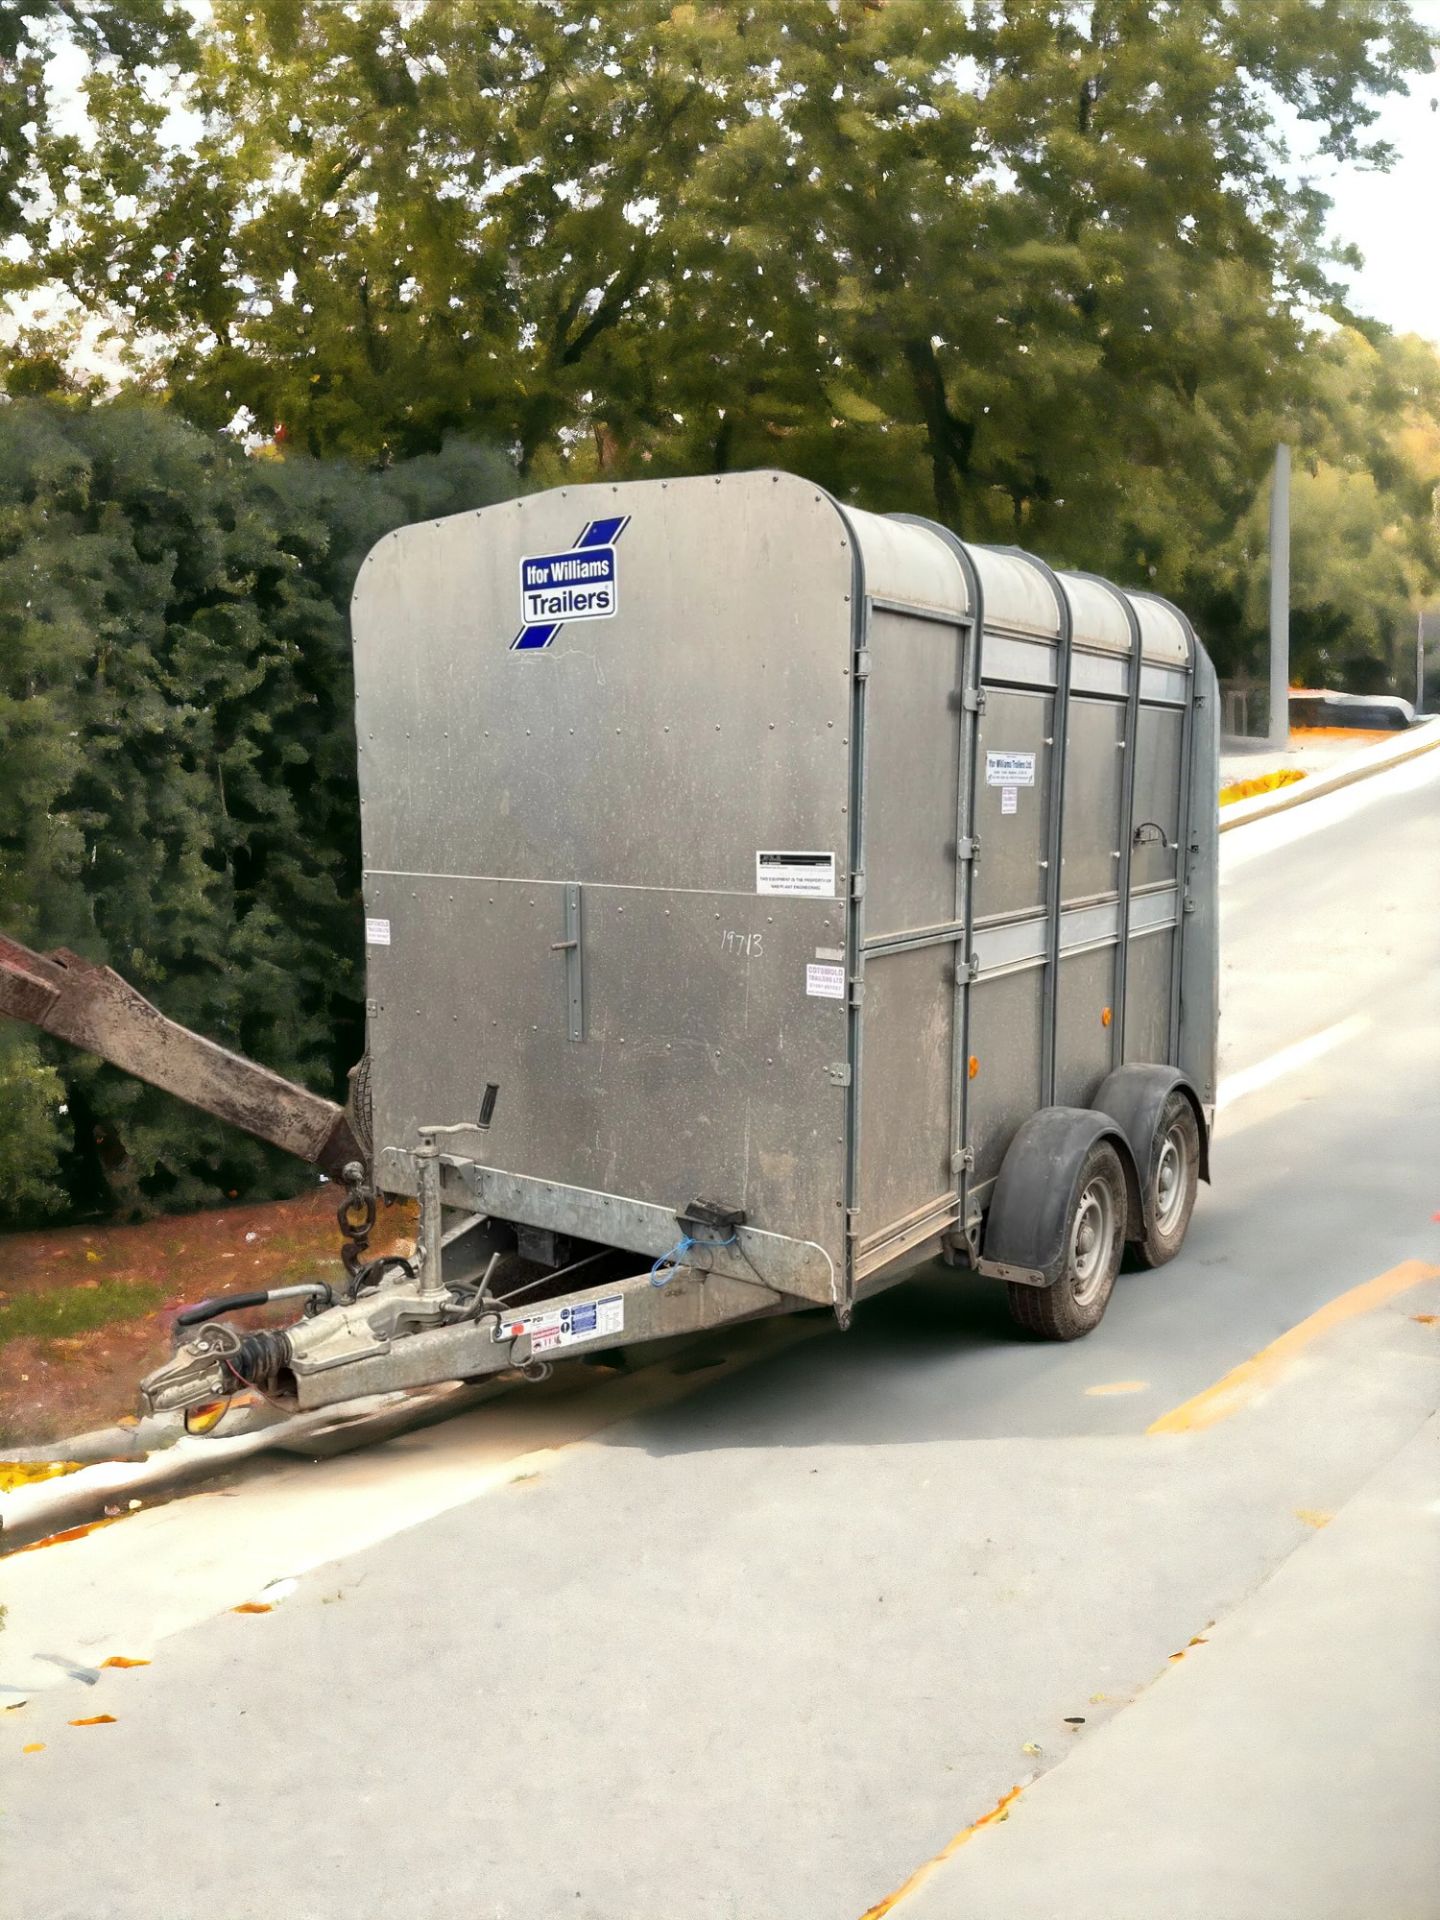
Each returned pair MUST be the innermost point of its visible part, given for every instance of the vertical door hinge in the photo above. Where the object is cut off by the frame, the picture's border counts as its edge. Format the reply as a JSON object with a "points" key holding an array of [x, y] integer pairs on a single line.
{"points": [[857, 885], [968, 848], [862, 664], [973, 700], [963, 1161]]}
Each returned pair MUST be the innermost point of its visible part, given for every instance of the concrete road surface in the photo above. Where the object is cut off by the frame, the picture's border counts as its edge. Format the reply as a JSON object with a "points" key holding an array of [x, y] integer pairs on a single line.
{"points": [[770, 1633]]}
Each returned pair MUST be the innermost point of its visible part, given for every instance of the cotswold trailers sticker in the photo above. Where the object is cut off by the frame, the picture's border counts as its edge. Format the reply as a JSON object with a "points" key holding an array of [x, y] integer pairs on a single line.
{"points": [[811, 874], [824, 983], [582, 583]]}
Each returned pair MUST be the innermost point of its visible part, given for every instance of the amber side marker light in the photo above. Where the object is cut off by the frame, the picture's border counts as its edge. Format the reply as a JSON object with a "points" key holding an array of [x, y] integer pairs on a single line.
{"points": [[207, 1416]]}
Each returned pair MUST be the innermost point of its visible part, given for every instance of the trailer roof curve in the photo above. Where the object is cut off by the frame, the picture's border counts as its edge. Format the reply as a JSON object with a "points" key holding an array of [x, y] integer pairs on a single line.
{"points": [[913, 562]]}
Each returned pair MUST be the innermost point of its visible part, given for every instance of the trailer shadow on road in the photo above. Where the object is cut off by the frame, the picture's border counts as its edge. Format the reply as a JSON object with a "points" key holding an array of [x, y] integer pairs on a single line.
{"points": [[937, 1358]]}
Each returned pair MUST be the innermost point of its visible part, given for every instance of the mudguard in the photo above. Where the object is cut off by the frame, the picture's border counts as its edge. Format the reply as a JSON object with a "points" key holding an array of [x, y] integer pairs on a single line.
{"points": [[1134, 1098], [1035, 1194]]}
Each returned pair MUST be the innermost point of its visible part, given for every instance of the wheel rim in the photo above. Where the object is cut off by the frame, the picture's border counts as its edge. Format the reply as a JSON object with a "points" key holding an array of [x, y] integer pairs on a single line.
{"points": [[1170, 1182], [1092, 1237]]}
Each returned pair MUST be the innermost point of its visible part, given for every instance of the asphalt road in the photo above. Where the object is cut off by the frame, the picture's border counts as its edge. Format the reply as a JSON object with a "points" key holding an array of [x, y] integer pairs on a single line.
{"points": [[756, 1638]]}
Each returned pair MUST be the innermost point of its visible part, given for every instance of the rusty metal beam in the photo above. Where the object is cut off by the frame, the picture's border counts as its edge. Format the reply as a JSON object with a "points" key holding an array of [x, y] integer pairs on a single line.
{"points": [[92, 1007]]}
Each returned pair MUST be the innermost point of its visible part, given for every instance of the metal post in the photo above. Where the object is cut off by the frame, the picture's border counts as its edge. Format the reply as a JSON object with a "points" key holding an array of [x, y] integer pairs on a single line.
{"points": [[432, 1224], [1280, 600], [1420, 661]]}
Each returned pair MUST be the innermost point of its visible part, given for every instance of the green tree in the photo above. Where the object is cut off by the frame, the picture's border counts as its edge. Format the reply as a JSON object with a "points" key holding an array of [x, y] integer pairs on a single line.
{"points": [[1365, 524], [131, 53], [1045, 269]]}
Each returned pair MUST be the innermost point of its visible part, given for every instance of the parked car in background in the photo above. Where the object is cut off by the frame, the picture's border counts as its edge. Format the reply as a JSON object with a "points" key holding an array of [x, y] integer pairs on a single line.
{"points": [[1371, 712]]}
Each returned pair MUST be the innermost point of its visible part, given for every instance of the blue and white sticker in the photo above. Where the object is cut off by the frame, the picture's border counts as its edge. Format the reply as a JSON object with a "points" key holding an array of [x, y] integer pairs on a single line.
{"points": [[579, 583], [553, 1327]]}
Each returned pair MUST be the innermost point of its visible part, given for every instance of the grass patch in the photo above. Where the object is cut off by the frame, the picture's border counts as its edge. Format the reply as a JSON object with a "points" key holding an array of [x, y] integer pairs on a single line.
{"points": [[59, 1313]]}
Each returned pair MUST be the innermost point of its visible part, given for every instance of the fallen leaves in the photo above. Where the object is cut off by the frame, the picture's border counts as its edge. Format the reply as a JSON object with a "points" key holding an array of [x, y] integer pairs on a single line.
{"points": [[95, 1720], [253, 1606], [68, 1533], [123, 1660], [35, 1746], [1195, 1640]]}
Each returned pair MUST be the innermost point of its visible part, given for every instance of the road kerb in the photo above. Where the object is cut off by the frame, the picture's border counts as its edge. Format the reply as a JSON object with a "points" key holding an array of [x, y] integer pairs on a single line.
{"points": [[1421, 739]]}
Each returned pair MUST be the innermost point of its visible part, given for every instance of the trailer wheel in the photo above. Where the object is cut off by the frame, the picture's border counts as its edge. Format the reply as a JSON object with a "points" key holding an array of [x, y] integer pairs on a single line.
{"points": [[1094, 1241], [1169, 1199]]}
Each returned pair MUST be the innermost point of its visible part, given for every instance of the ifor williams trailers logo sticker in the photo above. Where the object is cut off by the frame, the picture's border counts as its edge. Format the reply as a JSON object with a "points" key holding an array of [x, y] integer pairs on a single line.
{"points": [[582, 583]]}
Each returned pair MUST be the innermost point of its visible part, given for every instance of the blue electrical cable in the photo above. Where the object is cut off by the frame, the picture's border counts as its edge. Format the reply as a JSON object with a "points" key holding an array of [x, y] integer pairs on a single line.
{"points": [[669, 1264]]}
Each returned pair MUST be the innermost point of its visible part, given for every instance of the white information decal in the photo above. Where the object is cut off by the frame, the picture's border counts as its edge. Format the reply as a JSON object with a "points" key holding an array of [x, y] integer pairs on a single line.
{"points": [[566, 1326], [377, 933], [1009, 769], [809, 874], [1009, 799], [825, 983]]}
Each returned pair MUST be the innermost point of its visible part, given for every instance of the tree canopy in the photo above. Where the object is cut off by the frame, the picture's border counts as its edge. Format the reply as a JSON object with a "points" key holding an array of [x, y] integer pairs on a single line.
{"points": [[979, 232]]}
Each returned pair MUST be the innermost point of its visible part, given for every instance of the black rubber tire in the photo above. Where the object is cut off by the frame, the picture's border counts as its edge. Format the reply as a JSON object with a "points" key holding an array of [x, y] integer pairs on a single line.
{"points": [[1178, 1126], [1069, 1310]]}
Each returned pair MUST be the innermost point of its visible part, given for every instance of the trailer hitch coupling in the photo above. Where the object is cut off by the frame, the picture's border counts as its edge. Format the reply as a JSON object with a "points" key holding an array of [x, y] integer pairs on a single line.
{"points": [[216, 1362]]}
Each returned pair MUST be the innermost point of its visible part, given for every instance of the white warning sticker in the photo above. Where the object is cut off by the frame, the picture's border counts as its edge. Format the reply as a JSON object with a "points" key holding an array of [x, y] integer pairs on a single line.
{"points": [[1009, 769], [566, 1326], [825, 983], [1009, 799], [377, 933], [809, 874]]}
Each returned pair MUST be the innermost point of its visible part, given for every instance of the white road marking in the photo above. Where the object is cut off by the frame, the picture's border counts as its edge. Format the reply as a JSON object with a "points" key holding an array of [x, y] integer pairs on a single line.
{"points": [[127, 1588], [1239, 1086]]}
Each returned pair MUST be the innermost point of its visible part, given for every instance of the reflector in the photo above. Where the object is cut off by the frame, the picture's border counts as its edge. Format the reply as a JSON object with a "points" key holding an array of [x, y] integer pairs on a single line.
{"points": [[207, 1416]]}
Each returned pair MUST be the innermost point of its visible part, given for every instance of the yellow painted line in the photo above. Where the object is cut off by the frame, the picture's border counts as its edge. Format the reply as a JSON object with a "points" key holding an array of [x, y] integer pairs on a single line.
{"points": [[28, 1473], [1263, 1369], [1316, 785], [1118, 1386], [1000, 1811], [1262, 783]]}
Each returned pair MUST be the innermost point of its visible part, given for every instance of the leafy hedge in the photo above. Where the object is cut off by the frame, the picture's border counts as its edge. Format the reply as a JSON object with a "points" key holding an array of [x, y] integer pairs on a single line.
{"points": [[177, 773]]}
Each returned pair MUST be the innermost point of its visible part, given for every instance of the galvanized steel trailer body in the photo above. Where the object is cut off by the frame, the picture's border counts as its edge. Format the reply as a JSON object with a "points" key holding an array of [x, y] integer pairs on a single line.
{"points": [[796, 863]]}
